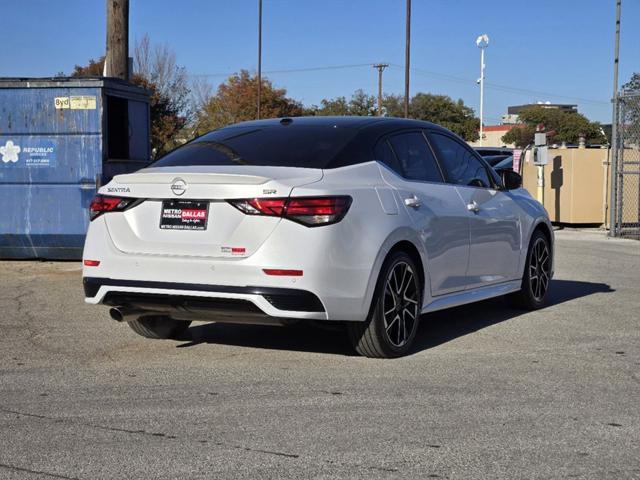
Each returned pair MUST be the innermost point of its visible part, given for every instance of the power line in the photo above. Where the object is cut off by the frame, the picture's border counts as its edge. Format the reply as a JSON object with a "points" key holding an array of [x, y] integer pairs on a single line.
{"points": [[289, 70], [523, 91], [428, 73], [503, 88]]}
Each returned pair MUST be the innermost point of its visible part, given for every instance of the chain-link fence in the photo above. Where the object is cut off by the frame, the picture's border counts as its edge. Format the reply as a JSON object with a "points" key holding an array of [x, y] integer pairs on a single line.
{"points": [[626, 167]]}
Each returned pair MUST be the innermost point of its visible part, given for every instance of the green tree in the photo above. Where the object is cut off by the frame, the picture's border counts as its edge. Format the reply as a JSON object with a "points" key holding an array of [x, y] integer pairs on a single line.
{"points": [[568, 127], [393, 105], [633, 85], [338, 106], [441, 109], [236, 101], [520, 135], [360, 104], [630, 110]]}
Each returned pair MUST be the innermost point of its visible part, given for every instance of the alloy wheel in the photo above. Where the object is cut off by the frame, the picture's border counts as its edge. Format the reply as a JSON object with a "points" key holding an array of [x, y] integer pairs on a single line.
{"points": [[400, 304], [539, 269]]}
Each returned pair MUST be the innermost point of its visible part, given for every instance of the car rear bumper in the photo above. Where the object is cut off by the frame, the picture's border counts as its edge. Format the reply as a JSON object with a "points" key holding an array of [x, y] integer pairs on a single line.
{"points": [[338, 269], [203, 299]]}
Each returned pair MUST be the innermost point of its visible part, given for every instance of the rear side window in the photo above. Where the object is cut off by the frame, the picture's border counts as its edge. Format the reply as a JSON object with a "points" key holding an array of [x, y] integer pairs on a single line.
{"points": [[459, 163], [415, 157], [384, 154], [277, 145]]}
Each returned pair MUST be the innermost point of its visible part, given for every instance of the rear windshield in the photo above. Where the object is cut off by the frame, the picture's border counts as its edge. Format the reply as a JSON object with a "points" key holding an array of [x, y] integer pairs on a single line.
{"points": [[278, 146]]}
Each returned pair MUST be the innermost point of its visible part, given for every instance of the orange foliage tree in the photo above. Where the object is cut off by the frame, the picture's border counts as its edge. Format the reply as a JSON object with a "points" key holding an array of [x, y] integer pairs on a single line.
{"points": [[236, 100]]}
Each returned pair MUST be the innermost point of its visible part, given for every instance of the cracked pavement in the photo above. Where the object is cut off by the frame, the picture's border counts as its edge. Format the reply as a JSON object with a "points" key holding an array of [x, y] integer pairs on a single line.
{"points": [[489, 392]]}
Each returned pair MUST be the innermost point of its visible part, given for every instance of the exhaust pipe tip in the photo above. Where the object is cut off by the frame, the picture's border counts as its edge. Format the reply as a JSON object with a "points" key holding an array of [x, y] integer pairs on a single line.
{"points": [[126, 314], [116, 314]]}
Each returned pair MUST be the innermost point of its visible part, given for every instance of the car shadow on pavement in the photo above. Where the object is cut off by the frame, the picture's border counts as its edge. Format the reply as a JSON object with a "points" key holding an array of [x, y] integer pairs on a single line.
{"points": [[446, 325], [435, 328], [302, 337]]}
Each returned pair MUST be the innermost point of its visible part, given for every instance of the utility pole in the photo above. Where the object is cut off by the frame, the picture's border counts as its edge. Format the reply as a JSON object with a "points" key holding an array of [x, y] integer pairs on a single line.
{"points": [[380, 67], [407, 58], [613, 201], [259, 56], [117, 57]]}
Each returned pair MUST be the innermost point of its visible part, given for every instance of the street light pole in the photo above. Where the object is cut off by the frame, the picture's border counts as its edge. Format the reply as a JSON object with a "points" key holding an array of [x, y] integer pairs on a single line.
{"points": [[259, 56], [481, 94], [482, 42], [407, 59], [380, 67]]}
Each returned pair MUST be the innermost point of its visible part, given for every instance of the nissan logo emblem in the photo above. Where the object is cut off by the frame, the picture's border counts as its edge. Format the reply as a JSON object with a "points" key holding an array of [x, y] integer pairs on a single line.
{"points": [[179, 186]]}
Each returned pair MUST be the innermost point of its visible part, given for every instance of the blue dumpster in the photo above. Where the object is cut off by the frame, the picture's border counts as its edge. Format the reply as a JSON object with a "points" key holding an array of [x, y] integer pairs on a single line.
{"points": [[60, 139]]}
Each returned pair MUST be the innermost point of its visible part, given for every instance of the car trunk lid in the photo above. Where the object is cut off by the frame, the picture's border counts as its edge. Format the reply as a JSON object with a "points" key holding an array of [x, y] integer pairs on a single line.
{"points": [[195, 193]]}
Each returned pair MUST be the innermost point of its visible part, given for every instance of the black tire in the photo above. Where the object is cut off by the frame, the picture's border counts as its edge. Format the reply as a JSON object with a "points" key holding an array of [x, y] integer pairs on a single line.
{"points": [[537, 275], [390, 336], [159, 327]]}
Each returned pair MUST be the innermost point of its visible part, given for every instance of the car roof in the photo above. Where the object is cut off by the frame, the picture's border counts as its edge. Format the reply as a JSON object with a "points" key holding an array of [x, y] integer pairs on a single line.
{"points": [[367, 132], [355, 122]]}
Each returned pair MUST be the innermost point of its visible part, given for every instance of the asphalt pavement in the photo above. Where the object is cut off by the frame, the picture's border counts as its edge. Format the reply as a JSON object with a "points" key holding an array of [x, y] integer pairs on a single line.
{"points": [[489, 392]]}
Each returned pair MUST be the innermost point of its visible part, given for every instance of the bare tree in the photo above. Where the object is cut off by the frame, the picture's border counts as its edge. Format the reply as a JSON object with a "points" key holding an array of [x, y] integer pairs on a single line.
{"points": [[201, 92], [157, 64], [142, 56]]}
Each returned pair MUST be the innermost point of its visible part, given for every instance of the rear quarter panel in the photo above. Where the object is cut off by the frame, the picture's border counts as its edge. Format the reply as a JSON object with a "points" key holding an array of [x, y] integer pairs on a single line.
{"points": [[352, 251], [534, 215]]}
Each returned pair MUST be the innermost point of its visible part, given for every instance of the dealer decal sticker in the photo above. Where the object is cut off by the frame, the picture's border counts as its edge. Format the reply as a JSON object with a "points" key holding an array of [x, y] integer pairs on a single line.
{"points": [[233, 250], [82, 102]]}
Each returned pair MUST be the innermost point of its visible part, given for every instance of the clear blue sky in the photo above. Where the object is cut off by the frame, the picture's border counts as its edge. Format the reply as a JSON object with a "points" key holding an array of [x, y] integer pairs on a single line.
{"points": [[559, 47]]}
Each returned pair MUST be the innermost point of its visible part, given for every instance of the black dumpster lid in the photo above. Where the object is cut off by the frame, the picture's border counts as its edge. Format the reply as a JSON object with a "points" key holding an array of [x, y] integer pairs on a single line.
{"points": [[70, 82]]}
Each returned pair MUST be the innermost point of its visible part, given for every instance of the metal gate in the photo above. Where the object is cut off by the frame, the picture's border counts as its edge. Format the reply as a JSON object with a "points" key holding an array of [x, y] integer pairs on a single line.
{"points": [[625, 216]]}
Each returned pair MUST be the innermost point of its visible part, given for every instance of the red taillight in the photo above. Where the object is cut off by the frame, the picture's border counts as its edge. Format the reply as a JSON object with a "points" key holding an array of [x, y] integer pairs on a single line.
{"points": [[309, 211], [282, 272], [268, 206], [91, 263], [315, 206], [102, 203]]}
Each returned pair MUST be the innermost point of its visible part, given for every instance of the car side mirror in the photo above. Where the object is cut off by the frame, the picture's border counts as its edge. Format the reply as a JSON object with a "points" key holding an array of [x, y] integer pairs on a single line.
{"points": [[510, 179], [476, 182]]}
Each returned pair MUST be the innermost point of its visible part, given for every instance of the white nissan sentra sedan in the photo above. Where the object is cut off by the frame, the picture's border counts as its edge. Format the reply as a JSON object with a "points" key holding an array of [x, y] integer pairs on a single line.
{"points": [[369, 222]]}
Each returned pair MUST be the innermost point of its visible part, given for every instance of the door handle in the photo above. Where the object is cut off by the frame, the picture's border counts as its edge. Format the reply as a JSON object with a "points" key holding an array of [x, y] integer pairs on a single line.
{"points": [[473, 207], [413, 202]]}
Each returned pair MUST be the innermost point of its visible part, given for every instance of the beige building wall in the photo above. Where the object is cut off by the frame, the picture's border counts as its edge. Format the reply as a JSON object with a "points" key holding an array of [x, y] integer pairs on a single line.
{"points": [[576, 185]]}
